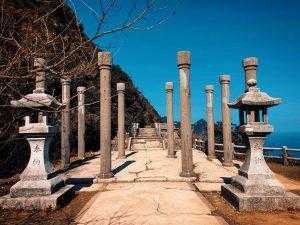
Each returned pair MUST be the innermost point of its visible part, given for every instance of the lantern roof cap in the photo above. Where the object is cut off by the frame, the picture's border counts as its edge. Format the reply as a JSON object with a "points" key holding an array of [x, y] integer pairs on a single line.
{"points": [[255, 98], [36, 100]]}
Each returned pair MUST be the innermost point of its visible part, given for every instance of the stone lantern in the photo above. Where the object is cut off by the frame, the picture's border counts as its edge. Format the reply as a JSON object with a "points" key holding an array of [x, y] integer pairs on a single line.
{"points": [[255, 187], [39, 186]]}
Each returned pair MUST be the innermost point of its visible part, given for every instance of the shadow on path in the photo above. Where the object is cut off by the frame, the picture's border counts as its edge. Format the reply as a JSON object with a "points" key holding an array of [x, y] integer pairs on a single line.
{"points": [[121, 167], [130, 154]]}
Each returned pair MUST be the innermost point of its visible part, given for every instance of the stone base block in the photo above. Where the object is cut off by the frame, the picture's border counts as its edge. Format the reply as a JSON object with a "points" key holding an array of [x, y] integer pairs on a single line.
{"points": [[243, 202], [31, 188], [104, 180], [187, 174], [53, 201]]}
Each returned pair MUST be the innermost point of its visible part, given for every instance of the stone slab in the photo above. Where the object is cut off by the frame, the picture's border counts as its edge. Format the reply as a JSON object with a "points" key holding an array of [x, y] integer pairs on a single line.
{"points": [[152, 166], [243, 202], [147, 203], [53, 201], [28, 188]]}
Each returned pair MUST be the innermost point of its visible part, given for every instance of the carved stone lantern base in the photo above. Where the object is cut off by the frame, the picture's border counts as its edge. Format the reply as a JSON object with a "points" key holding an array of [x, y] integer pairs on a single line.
{"points": [[255, 188], [39, 187]]}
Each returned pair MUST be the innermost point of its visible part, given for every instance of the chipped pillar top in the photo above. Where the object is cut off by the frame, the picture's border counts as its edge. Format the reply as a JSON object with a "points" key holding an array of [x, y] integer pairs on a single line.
{"points": [[169, 86], [184, 59], [65, 81], [104, 59], [81, 89], [224, 79], [121, 87], [209, 88], [250, 65], [39, 66]]}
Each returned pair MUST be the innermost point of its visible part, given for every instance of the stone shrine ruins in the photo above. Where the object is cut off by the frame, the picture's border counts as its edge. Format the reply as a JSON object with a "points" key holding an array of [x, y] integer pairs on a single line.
{"points": [[155, 156]]}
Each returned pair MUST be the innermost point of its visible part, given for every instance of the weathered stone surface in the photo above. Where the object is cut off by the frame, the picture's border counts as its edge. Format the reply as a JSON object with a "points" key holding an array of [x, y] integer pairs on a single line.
{"points": [[53, 201], [157, 203], [39, 187], [261, 202], [255, 187], [146, 139], [226, 121], [209, 89], [65, 123], [105, 62], [170, 122], [121, 119], [250, 64], [104, 59], [81, 122], [184, 63]]}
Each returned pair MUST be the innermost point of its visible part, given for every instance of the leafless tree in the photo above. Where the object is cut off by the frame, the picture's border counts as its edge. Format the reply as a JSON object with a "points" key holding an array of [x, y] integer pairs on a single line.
{"points": [[51, 29]]}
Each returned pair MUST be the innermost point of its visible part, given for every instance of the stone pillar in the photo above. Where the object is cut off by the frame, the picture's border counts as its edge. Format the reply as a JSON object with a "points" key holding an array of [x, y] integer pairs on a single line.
{"points": [[250, 65], [184, 63], [121, 120], [65, 123], [227, 142], [81, 122], [105, 63], [209, 89], [170, 122], [39, 65]]}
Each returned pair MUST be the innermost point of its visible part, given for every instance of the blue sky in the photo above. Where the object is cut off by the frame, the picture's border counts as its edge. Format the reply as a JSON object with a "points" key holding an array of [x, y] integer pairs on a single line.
{"points": [[219, 34]]}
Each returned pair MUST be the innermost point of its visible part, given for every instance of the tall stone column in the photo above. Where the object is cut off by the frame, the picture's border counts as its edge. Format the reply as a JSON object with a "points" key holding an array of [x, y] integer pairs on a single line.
{"points": [[184, 64], [209, 89], [81, 122], [105, 63], [227, 142], [65, 123], [121, 120], [170, 122]]}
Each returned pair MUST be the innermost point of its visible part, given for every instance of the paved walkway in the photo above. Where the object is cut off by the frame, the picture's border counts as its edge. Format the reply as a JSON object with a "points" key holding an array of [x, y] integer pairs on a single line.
{"points": [[154, 166], [148, 190], [148, 203]]}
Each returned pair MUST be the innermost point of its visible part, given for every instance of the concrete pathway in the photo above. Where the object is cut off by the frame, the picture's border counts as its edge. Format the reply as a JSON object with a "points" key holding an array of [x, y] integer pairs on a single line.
{"points": [[149, 203], [154, 166], [148, 190]]}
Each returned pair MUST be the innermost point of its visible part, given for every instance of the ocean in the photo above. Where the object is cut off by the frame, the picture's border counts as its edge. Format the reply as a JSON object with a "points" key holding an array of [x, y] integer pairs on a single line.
{"points": [[289, 139]]}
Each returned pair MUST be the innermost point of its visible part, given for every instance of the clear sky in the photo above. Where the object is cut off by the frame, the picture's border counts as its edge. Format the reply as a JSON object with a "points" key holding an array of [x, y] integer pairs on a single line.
{"points": [[219, 34]]}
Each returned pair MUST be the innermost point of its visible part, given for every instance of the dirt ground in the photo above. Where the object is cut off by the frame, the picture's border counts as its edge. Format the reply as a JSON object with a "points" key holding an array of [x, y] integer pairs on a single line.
{"points": [[66, 215], [233, 217]]}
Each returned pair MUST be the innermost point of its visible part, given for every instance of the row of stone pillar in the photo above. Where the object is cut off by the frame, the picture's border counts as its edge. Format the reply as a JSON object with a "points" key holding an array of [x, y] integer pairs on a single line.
{"points": [[105, 64], [65, 122], [226, 121], [184, 64], [250, 65]]}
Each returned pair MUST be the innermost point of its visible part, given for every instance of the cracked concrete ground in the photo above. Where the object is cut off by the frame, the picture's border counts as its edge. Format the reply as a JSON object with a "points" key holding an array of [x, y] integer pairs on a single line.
{"points": [[148, 190], [155, 166], [147, 203]]}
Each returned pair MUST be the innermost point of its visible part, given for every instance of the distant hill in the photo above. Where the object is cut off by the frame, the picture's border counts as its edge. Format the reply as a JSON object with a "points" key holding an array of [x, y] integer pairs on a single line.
{"points": [[200, 130]]}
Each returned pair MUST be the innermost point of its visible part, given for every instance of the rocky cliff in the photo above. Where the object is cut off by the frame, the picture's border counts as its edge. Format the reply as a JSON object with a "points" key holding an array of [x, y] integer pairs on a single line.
{"points": [[46, 29]]}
